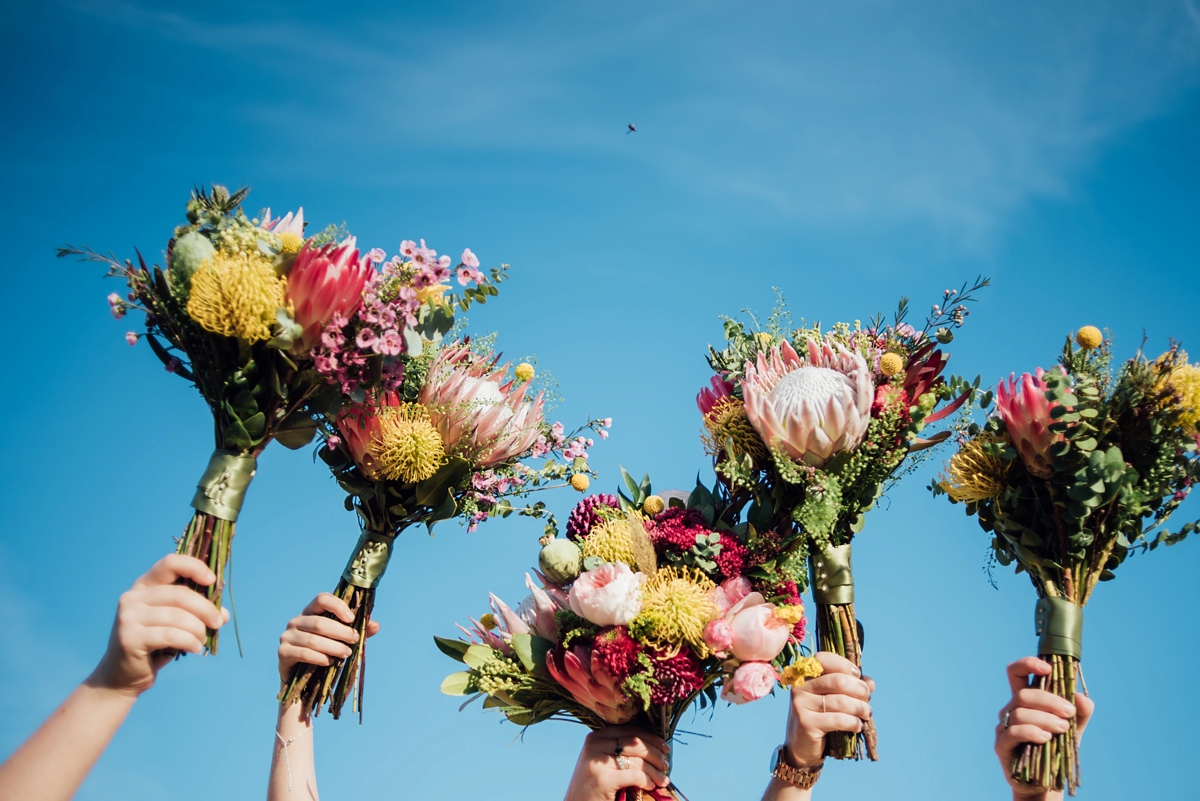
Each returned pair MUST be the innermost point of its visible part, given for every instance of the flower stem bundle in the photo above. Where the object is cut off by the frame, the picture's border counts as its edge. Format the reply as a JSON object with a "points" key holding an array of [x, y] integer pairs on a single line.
{"points": [[807, 428], [1080, 467]]}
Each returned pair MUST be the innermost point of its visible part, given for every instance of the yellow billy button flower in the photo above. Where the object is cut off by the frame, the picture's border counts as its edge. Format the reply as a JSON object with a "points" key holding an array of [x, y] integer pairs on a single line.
{"points": [[806, 667], [653, 505], [237, 295], [488, 621], [763, 339], [890, 364], [524, 373], [974, 475], [580, 482], [1089, 337], [408, 448]]}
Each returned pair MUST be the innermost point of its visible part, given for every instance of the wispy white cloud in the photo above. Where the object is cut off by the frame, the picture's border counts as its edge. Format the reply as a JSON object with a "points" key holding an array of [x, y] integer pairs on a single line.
{"points": [[874, 114]]}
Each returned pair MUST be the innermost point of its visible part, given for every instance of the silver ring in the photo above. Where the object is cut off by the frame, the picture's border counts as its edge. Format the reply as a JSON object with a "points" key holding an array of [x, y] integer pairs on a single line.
{"points": [[622, 762], [1004, 719], [823, 709]]}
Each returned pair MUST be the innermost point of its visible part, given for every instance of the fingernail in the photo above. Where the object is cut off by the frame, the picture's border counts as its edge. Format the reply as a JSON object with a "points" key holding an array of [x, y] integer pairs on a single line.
{"points": [[857, 673], [666, 748]]}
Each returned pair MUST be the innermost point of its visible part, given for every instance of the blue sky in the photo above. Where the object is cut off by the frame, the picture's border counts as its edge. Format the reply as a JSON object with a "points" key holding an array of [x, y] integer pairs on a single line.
{"points": [[846, 154]]}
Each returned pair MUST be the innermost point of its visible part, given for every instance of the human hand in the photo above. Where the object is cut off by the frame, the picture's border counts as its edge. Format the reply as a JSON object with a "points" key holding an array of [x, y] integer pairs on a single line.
{"points": [[598, 775], [834, 701], [314, 639], [1034, 716], [156, 618]]}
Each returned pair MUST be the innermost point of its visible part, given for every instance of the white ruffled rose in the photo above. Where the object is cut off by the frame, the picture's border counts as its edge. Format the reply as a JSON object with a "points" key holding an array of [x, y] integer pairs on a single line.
{"points": [[610, 595]]}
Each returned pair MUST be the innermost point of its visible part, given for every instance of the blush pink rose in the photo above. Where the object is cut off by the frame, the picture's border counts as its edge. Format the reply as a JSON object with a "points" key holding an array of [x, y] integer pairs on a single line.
{"points": [[758, 635], [718, 635], [610, 595], [751, 681]]}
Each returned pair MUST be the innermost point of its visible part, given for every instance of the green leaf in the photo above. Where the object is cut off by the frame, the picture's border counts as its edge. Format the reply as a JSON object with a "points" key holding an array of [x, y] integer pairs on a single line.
{"points": [[431, 491], [296, 437], [457, 683], [522, 645], [236, 437], [255, 425], [455, 649], [634, 489], [477, 656], [447, 510]]}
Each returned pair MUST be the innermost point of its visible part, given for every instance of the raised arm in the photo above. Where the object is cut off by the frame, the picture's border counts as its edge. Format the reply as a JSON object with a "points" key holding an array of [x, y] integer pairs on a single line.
{"points": [[155, 618], [310, 638], [835, 701]]}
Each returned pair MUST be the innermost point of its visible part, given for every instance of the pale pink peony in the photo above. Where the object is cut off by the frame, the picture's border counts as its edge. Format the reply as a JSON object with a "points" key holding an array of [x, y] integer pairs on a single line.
{"points": [[323, 282], [757, 634], [811, 408], [479, 414], [610, 595], [1023, 406], [751, 681], [718, 636], [590, 683], [730, 591]]}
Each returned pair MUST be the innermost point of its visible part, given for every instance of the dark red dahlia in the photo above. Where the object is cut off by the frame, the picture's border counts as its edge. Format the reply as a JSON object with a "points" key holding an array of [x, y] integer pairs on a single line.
{"points": [[732, 558], [583, 516], [618, 651], [677, 676], [675, 530]]}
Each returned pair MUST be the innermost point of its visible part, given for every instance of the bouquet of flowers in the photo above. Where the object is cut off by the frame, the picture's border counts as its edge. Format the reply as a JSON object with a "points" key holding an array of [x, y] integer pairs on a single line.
{"points": [[1077, 468], [428, 429], [806, 429], [237, 313], [643, 610]]}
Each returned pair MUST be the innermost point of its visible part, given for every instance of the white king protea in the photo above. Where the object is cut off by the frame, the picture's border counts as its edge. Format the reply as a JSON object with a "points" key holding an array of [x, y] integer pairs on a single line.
{"points": [[809, 408]]}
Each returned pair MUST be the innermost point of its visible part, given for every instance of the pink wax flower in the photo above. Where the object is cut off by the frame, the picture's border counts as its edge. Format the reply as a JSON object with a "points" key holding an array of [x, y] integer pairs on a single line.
{"points": [[469, 259], [116, 305], [131, 337], [758, 635], [464, 276], [376, 255], [367, 339], [391, 343], [610, 595], [751, 681], [323, 282]]}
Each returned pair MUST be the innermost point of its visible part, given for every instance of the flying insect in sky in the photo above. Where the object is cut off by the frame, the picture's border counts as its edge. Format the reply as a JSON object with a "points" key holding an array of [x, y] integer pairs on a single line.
{"points": [[632, 129]]}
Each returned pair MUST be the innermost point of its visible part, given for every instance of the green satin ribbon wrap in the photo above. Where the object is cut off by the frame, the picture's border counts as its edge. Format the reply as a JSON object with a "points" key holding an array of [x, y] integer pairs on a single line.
{"points": [[832, 576], [222, 488], [1059, 625], [370, 560]]}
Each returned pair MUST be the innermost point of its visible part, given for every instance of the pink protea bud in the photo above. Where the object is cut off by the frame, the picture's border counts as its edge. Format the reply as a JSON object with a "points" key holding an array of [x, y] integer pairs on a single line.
{"points": [[707, 399], [1025, 409], [322, 282]]}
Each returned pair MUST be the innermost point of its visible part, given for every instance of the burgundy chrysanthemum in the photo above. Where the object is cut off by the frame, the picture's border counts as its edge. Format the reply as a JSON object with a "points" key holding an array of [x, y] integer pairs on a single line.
{"points": [[583, 516], [677, 676], [617, 650], [675, 530], [732, 558], [765, 546]]}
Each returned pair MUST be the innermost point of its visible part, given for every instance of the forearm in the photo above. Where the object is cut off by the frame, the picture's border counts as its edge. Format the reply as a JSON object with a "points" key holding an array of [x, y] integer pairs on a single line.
{"points": [[782, 791], [54, 761], [295, 766]]}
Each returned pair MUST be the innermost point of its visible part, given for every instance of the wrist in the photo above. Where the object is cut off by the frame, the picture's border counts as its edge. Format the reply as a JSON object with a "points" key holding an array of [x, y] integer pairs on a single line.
{"points": [[104, 679], [809, 758]]}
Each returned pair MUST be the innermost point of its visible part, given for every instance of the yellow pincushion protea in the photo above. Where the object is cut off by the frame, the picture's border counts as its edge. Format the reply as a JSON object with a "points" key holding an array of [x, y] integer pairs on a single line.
{"points": [[408, 448], [611, 541], [1182, 381], [806, 667], [974, 475], [676, 606], [237, 295], [728, 421]]}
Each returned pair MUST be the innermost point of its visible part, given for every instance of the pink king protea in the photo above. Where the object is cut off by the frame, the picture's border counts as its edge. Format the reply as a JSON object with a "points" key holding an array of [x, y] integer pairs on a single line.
{"points": [[479, 414], [809, 408], [322, 282], [1023, 406], [590, 683]]}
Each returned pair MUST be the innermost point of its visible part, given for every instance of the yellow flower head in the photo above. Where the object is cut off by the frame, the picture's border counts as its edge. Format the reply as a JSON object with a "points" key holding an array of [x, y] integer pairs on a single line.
{"points": [[1089, 337], [622, 539], [974, 475], [237, 295], [524, 372], [1182, 381], [806, 667], [890, 364], [408, 448], [289, 242], [676, 606], [488, 621], [790, 613], [434, 294], [728, 421], [653, 505], [580, 482], [763, 339]]}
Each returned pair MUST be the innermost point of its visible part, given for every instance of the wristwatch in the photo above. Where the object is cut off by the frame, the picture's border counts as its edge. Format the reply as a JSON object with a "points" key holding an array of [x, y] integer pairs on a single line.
{"points": [[803, 778]]}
